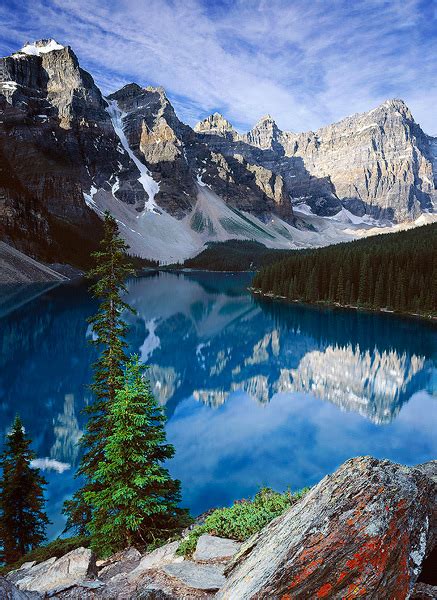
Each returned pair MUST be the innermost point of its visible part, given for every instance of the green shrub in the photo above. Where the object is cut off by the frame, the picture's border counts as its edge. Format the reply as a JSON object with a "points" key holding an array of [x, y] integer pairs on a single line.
{"points": [[57, 548], [242, 519]]}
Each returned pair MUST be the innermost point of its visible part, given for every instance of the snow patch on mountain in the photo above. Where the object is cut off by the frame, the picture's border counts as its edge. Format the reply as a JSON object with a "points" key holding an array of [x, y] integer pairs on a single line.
{"points": [[150, 186], [41, 47]]}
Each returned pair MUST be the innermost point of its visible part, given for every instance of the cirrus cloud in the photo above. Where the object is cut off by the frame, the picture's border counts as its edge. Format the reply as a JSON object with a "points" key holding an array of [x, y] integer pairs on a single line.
{"points": [[307, 64]]}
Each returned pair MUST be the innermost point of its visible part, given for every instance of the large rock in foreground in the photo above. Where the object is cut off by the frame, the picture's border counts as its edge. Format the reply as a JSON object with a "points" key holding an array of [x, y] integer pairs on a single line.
{"points": [[361, 532], [56, 574]]}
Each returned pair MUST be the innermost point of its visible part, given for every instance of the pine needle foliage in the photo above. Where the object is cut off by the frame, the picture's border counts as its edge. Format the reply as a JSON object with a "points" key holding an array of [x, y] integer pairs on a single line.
{"points": [[108, 278], [22, 518], [134, 498]]}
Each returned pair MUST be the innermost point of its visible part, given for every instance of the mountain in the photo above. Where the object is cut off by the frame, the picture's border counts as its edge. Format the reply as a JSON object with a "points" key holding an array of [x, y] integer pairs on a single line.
{"points": [[67, 154]]}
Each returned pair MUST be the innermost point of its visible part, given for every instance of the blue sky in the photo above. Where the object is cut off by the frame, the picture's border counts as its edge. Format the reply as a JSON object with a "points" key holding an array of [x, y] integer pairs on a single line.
{"points": [[306, 62]]}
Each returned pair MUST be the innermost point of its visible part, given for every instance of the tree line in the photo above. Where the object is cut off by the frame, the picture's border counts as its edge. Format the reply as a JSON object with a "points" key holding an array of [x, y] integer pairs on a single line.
{"points": [[396, 271], [127, 496], [233, 255]]}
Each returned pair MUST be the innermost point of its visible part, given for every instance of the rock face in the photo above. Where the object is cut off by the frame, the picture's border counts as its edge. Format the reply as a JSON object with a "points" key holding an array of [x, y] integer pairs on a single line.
{"points": [[378, 163], [67, 154], [52, 116], [364, 531]]}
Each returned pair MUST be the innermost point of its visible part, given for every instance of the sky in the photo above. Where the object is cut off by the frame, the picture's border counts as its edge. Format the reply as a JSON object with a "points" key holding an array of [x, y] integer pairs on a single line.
{"points": [[308, 63]]}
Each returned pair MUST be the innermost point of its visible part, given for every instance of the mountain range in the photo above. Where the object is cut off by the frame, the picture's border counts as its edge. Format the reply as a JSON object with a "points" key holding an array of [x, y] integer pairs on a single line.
{"points": [[67, 154]]}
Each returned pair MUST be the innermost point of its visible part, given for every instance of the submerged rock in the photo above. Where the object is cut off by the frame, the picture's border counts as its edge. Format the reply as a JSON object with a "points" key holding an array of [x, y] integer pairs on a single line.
{"points": [[365, 530]]}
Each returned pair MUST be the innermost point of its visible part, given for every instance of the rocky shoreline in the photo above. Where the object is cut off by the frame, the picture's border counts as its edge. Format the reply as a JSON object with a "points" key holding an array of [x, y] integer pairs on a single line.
{"points": [[367, 530], [324, 304]]}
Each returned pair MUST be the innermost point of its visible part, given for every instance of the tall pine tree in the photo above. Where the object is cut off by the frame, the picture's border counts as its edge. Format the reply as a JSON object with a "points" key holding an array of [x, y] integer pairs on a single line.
{"points": [[22, 518], [109, 328], [135, 500]]}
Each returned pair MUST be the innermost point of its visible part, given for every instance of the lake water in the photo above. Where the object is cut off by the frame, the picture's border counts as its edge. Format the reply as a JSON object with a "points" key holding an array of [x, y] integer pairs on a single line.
{"points": [[257, 392]]}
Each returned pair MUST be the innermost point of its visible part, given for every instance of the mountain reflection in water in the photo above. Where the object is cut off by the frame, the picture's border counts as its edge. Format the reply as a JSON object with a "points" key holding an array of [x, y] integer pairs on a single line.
{"points": [[252, 387]]}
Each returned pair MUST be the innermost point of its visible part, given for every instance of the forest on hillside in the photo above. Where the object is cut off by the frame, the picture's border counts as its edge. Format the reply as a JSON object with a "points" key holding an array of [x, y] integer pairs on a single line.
{"points": [[234, 255], [396, 271]]}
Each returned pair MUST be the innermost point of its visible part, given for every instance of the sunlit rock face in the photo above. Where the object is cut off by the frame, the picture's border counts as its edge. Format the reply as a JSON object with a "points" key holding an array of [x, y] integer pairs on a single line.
{"points": [[378, 163], [369, 383], [257, 387]]}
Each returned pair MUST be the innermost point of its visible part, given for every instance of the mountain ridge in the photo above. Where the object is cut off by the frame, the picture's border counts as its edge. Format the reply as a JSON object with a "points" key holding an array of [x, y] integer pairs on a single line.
{"points": [[72, 153]]}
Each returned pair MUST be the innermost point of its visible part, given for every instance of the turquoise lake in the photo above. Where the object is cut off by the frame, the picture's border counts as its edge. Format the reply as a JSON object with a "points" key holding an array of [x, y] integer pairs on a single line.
{"points": [[257, 392]]}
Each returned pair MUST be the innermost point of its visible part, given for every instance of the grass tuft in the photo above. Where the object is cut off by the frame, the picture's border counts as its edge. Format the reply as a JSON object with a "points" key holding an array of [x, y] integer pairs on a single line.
{"points": [[242, 519]]}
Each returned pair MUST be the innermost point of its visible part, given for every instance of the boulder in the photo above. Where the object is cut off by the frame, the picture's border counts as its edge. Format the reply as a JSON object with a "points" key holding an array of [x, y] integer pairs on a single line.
{"points": [[156, 559], [365, 530], [211, 548], [199, 577], [61, 573], [122, 562], [423, 591], [29, 569]]}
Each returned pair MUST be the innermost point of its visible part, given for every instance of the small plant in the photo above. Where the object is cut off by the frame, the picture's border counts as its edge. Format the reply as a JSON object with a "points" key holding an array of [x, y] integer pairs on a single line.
{"points": [[242, 519]]}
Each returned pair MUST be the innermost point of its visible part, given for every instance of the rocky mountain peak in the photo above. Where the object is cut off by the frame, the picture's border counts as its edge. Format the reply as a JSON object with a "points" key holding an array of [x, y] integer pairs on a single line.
{"points": [[40, 47], [265, 120], [399, 106], [215, 124], [265, 133], [130, 90]]}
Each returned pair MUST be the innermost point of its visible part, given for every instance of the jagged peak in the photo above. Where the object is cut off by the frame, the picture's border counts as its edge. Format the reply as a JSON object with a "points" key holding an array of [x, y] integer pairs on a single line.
{"points": [[40, 47], [265, 119], [130, 90], [214, 123], [398, 105]]}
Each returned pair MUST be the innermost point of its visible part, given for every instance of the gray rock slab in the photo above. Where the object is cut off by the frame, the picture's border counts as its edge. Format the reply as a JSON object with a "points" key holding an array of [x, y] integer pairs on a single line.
{"points": [[70, 569], [156, 559], [29, 569], [193, 575], [8, 591], [212, 548]]}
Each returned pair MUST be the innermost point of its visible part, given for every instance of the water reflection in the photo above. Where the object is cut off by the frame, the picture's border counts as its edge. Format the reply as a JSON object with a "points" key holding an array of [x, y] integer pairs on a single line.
{"points": [[252, 388], [228, 342]]}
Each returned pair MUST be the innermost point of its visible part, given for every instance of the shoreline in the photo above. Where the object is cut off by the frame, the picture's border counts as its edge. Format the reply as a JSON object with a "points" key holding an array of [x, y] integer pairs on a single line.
{"points": [[324, 304]]}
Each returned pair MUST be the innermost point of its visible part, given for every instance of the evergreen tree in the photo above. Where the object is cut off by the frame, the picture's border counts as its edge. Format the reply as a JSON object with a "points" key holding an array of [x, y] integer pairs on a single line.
{"points": [[135, 500], [22, 518], [109, 274], [362, 285], [397, 271], [340, 287]]}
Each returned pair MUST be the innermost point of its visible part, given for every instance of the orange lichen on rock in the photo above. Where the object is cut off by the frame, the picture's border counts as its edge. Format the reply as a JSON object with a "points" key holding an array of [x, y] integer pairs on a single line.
{"points": [[324, 591]]}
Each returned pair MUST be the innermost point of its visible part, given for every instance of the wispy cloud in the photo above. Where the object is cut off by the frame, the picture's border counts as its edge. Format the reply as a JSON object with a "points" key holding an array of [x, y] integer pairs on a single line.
{"points": [[305, 63]]}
